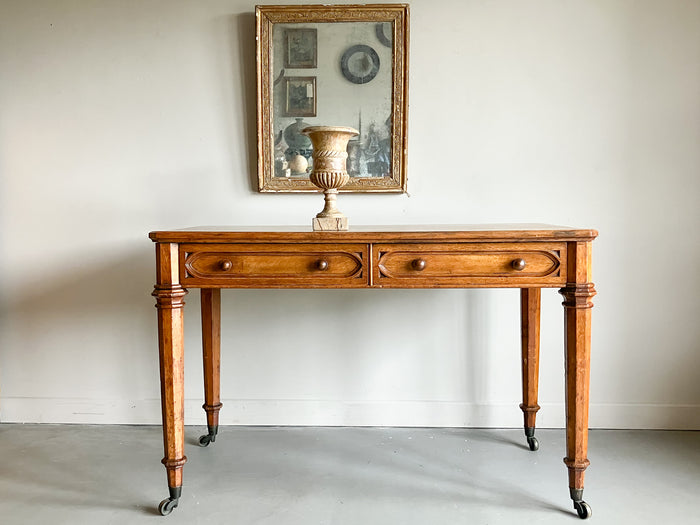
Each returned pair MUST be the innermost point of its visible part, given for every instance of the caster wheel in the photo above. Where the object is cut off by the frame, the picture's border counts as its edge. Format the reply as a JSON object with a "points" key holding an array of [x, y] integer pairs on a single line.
{"points": [[583, 509], [206, 439], [166, 506], [533, 443]]}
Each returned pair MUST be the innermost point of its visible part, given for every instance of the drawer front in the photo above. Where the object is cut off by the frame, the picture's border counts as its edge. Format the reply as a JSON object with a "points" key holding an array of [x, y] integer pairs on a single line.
{"points": [[469, 265], [274, 265]]}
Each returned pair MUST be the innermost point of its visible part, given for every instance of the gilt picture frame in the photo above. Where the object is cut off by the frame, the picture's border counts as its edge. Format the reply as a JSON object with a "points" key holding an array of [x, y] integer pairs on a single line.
{"points": [[300, 96], [300, 48]]}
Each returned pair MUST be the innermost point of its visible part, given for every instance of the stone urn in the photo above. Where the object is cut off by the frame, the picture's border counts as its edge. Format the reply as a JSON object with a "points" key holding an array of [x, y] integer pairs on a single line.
{"points": [[329, 171]]}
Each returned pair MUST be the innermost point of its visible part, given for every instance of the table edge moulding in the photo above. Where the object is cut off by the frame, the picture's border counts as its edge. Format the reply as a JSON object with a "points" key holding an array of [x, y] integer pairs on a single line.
{"points": [[525, 256]]}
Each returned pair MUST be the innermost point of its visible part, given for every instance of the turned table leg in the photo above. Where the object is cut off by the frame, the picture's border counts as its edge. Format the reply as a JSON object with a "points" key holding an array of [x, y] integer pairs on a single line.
{"points": [[211, 347], [530, 337], [169, 296], [577, 294]]}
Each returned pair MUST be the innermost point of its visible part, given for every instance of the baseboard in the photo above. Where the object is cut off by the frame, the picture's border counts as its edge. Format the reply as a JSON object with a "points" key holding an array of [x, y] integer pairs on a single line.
{"points": [[346, 413]]}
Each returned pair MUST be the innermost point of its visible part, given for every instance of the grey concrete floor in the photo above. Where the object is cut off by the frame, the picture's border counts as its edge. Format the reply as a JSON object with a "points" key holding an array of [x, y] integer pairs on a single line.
{"points": [[78, 474]]}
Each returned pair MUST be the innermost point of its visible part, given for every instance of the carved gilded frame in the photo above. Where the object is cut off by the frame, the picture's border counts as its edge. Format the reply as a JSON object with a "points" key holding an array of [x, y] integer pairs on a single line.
{"points": [[269, 15]]}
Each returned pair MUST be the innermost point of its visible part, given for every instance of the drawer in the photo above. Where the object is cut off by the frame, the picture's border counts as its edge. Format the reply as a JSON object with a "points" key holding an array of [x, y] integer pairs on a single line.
{"points": [[469, 264], [274, 265]]}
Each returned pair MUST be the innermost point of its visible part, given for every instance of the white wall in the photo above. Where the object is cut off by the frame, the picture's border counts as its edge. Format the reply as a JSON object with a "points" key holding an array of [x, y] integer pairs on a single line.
{"points": [[117, 118]]}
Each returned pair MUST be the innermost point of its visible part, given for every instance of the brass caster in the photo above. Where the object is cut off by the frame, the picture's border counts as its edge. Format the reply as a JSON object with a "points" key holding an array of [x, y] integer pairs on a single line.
{"points": [[208, 438], [166, 506], [583, 509], [533, 443], [531, 439]]}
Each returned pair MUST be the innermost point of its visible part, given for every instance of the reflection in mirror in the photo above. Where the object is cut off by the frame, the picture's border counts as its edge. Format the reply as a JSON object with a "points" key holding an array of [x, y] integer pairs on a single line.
{"points": [[335, 66], [350, 88]]}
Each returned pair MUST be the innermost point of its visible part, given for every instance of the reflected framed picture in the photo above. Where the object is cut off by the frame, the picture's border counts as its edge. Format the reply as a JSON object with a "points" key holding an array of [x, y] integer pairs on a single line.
{"points": [[300, 48], [300, 96]]}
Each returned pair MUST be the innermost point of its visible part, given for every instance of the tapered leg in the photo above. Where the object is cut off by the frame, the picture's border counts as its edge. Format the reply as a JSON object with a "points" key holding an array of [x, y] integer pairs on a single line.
{"points": [[211, 345], [530, 336], [577, 329], [169, 302]]}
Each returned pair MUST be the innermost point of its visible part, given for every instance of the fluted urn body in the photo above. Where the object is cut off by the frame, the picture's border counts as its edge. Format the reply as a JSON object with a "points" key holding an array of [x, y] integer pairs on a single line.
{"points": [[329, 171]]}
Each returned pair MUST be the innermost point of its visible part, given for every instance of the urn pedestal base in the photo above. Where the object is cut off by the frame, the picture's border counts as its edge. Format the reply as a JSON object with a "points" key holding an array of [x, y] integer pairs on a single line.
{"points": [[330, 224]]}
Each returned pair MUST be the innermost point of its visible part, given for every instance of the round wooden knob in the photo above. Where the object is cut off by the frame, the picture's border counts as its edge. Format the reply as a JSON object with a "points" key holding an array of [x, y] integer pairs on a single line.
{"points": [[322, 264], [226, 265], [518, 264], [418, 264]]}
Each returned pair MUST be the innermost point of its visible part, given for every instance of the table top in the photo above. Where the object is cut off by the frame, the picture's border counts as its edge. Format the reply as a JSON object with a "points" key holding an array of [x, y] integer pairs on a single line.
{"points": [[404, 233]]}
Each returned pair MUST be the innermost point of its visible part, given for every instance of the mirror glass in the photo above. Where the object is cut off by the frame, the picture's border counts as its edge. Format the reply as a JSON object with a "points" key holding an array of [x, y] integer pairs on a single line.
{"points": [[332, 66]]}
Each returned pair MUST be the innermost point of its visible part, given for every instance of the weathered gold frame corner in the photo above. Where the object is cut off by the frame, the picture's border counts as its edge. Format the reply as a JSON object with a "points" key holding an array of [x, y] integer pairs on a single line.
{"points": [[266, 16]]}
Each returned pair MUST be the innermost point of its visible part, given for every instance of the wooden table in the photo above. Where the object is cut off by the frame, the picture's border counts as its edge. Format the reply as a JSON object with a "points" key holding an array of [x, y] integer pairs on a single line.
{"points": [[529, 257]]}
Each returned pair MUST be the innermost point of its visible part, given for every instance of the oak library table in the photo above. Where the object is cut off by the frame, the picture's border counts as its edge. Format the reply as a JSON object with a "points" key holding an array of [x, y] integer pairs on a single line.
{"points": [[525, 256]]}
